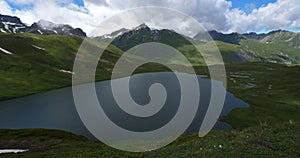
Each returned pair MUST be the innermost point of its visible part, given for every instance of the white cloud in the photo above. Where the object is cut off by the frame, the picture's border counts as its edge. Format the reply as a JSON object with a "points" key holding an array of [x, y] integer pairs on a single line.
{"points": [[239, 21], [283, 14], [53, 11], [208, 12], [5, 8], [212, 14]]}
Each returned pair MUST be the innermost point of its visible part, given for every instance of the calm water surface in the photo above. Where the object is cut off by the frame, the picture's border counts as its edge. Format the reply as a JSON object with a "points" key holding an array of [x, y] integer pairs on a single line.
{"points": [[56, 110]]}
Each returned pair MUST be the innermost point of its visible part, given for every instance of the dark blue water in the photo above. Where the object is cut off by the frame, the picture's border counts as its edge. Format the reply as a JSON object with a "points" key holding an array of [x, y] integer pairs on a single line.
{"points": [[56, 110]]}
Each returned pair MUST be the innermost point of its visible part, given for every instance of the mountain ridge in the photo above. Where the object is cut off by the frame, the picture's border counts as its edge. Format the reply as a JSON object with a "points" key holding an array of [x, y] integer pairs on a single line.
{"points": [[9, 21], [278, 46], [13, 24]]}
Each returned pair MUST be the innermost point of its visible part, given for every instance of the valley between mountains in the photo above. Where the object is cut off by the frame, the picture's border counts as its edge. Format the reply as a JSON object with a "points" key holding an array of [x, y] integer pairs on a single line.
{"points": [[261, 69]]}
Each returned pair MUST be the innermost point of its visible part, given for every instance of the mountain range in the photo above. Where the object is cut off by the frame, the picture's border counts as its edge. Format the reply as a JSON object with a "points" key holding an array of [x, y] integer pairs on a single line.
{"points": [[277, 46], [261, 69], [11, 24]]}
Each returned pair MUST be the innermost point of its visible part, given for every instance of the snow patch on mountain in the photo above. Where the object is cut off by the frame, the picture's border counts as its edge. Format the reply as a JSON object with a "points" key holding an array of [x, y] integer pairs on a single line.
{"points": [[37, 47], [115, 34], [3, 151], [13, 27], [5, 51], [11, 23], [66, 71], [43, 27], [39, 31]]}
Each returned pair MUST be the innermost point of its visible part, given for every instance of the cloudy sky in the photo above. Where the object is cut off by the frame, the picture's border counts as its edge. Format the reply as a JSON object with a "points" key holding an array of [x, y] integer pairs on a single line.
{"points": [[222, 15]]}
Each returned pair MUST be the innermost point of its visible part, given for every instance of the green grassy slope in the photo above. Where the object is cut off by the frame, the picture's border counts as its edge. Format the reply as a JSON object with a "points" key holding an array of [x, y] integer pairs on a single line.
{"points": [[283, 39], [258, 51], [261, 141], [37, 60], [31, 70], [272, 90], [279, 46]]}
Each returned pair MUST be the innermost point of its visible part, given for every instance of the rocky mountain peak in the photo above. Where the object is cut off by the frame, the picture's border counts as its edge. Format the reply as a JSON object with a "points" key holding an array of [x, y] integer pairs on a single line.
{"points": [[11, 24], [232, 38], [49, 28], [14, 25], [48, 24], [12, 19], [142, 26]]}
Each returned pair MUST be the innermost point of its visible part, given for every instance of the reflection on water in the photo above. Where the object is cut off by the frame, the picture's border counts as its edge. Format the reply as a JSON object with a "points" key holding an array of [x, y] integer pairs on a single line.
{"points": [[56, 110]]}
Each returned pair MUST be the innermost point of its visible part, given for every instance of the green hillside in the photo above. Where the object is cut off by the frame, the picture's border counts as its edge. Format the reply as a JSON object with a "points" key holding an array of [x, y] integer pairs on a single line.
{"points": [[41, 62], [258, 51], [260, 141], [33, 63], [44, 62]]}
